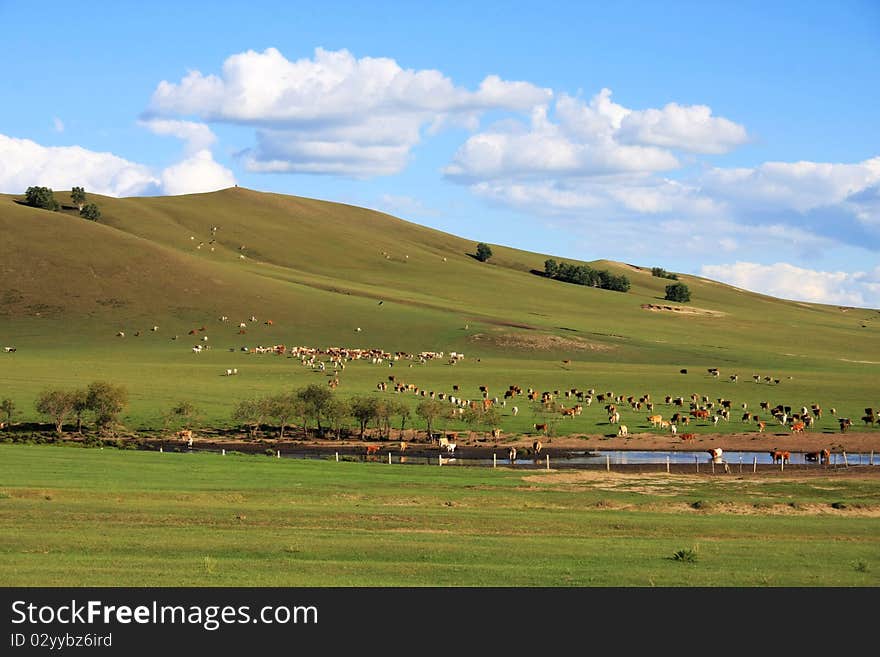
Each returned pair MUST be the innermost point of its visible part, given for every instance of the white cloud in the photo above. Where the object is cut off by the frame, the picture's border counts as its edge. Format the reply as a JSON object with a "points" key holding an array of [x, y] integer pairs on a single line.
{"points": [[688, 128], [798, 186], [334, 113], [790, 282], [25, 163], [58, 124], [198, 173], [592, 139], [196, 136]]}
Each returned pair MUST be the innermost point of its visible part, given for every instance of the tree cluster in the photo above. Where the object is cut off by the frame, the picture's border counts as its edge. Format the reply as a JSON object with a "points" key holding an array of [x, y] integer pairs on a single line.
{"points": [[312, 405], [319, 409], [41, 197], [104, 401], [659, 272], [585, 275], [44, 197]]}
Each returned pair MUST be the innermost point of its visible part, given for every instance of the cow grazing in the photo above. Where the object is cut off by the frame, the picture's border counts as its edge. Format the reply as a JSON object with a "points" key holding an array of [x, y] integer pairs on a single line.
{"points": [[372, 449], [761, 425], [797, 427], [537, 446], [688, 436], [845, 423], [9, 350], [541, 427], [515, 410], [623, 430]]}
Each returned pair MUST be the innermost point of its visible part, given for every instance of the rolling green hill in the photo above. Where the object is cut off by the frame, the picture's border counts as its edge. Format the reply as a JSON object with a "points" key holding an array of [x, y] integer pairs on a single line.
{"points": [[319, 271]]}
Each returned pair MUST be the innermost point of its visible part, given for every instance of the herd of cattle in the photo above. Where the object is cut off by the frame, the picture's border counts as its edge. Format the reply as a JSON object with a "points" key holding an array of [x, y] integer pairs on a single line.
{"points": [[565, 404]]}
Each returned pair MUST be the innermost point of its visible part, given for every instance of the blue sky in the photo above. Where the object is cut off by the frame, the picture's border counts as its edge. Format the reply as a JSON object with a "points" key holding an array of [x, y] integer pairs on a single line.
{"points": [[738, 141]]}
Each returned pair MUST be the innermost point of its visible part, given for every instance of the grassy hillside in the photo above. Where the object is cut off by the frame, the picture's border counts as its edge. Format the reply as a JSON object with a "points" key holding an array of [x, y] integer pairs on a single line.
{"points": [[322, 270]]}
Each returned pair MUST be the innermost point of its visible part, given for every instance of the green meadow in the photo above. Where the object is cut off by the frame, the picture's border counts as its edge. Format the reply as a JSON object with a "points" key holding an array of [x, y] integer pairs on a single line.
{"points": [[333, 275], [104, 517], [321, 271]]}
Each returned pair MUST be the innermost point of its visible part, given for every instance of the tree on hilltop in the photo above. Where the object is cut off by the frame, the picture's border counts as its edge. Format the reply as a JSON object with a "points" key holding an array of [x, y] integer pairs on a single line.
{"points": [[78, 196], [41, 197]]}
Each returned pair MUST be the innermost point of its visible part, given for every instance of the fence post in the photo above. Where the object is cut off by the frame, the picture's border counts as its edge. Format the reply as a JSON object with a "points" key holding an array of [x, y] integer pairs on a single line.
{"points": [[548, 461], [440, 459], [278, 454], [389, 458], [872, 457], [667, 465], [755, 465], [494, 460], [697, 463], [845, 464], [160, 449], [337, 457], [223, 452], [782, 464], [713, 466], [740, 463], [608, 462]]}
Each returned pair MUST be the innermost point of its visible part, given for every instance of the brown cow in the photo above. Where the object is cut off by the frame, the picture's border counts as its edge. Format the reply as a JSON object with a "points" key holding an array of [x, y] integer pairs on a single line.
{"points": [[780, 456], [541, 427], [822, 456]]}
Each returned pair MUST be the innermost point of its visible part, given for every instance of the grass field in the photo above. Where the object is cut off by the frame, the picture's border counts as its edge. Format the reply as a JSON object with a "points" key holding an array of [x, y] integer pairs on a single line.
{"points": [[90, 517], [319, 271], [334, 275]]}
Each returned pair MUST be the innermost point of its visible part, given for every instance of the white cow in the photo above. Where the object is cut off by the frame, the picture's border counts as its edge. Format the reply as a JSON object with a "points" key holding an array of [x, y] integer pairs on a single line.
{"points": [[623, 430]]}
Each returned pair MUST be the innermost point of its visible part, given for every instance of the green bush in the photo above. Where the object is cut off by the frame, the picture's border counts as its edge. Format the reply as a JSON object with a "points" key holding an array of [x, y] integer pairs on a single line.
{"points": [[678, 292], [685, 556]]}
